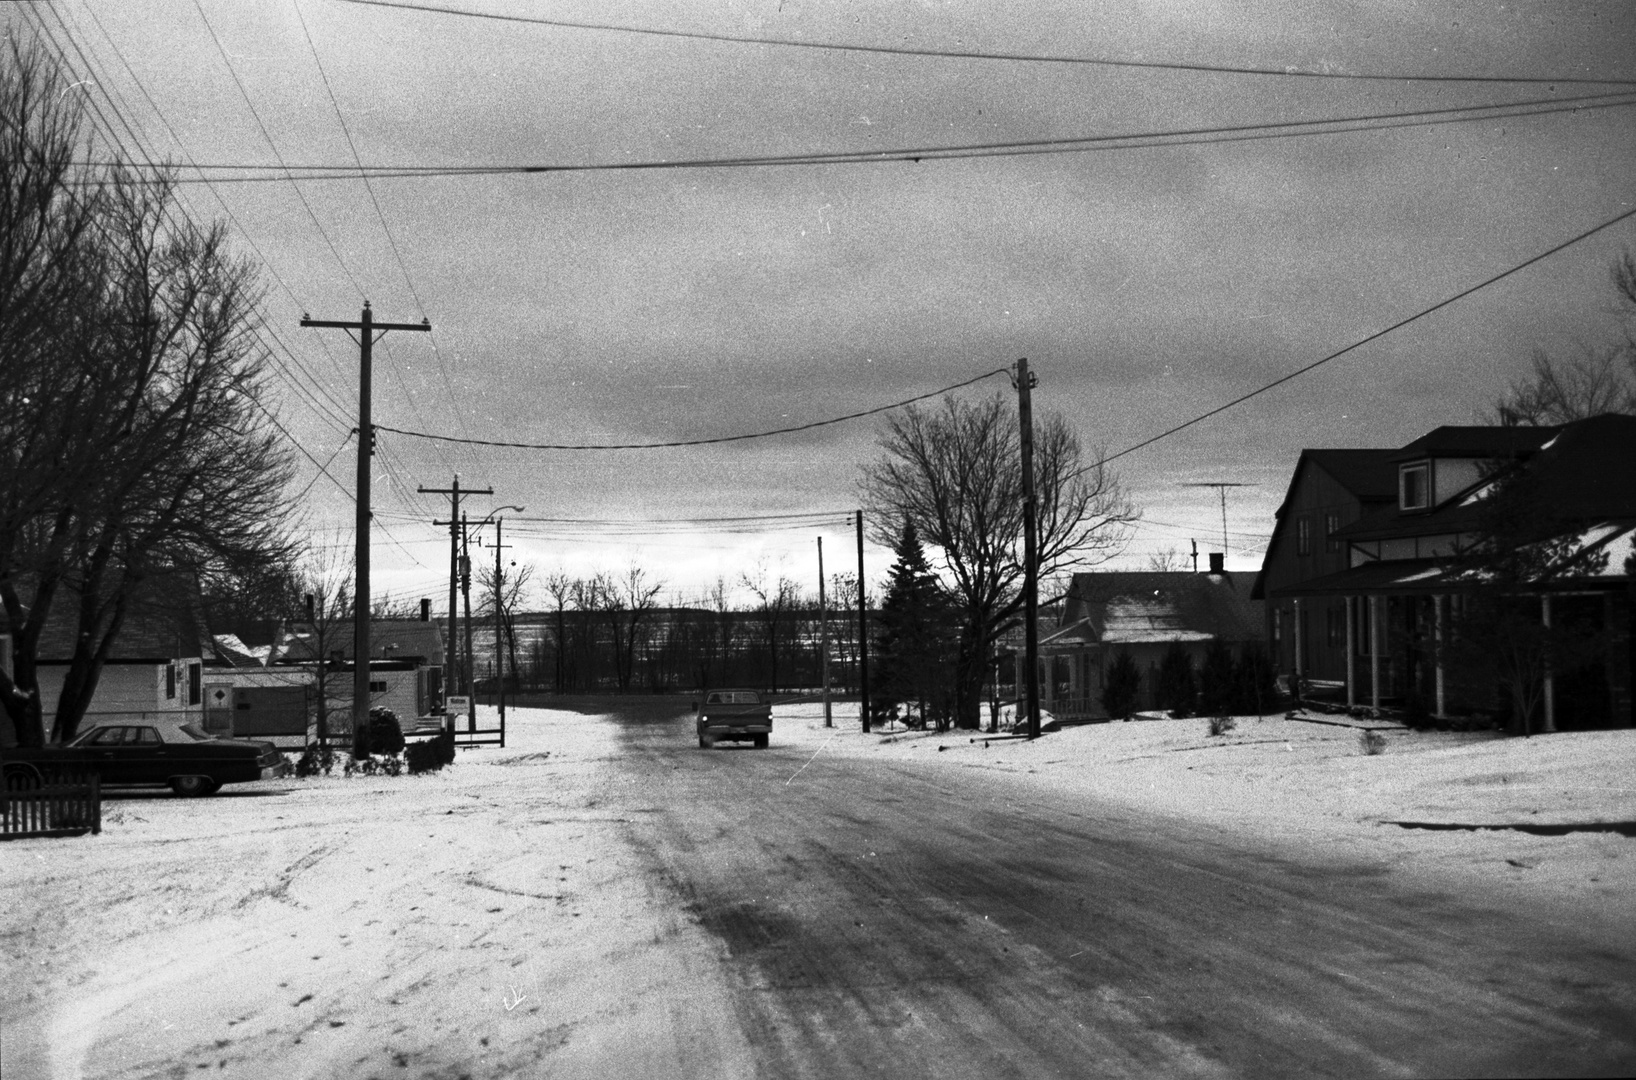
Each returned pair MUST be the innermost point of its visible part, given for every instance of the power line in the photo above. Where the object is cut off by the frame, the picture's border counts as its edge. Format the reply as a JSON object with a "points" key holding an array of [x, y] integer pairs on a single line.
{"points": [[337, 421], [245, 94], [397, 254], [323, 470], [1011, 148], [969, 54], [1461, 295], [695, 442]]}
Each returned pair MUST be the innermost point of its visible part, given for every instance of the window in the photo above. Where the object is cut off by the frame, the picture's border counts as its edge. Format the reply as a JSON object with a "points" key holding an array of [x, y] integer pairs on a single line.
{"points": [[170, 681], [1332, 525], [108, 736], [377, 686], [1335, 627], [1303, 535], [1413, 487], [195, 691], [147, 736]]}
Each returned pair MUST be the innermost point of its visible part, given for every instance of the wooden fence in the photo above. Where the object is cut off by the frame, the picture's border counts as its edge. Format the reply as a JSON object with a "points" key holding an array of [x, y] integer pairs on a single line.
{"points": [[32, 804]]}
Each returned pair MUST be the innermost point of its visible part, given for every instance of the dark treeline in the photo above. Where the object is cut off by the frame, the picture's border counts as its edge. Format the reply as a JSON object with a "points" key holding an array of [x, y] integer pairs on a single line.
{"points": [[608, 635]]}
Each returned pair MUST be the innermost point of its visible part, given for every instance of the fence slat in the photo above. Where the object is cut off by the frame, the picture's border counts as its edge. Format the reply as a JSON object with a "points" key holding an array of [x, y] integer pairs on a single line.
{"points": [[63, 805]]}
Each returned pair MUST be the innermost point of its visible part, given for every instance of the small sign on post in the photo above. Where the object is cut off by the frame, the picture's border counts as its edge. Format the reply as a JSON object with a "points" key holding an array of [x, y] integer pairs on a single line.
{"points": [[455, 704]]}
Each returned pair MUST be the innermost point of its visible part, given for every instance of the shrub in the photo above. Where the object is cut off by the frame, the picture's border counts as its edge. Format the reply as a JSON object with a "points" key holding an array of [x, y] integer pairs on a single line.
{"points": [[384, 734], [1124, 683], [374, 765], [430, 755], [1373, 742], [314, 760], [1175, 687], [1221, 725]]}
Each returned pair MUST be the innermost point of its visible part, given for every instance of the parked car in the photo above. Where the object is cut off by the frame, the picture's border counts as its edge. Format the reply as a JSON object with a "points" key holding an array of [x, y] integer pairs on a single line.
{"points": [[733, 715], [184, 756]]}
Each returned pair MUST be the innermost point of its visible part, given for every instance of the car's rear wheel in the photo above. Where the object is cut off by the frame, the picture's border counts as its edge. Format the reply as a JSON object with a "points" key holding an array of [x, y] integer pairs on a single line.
{"points": [[761, 742], [189, 787], [706, 742]]}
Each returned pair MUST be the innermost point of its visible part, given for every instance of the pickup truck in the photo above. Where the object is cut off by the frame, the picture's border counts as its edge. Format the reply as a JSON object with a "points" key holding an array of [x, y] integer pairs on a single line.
{"points": [[735, 716]]}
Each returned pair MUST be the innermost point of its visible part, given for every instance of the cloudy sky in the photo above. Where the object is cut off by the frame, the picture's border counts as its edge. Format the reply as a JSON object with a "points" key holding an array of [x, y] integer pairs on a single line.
{"points": [[1146, 284]]}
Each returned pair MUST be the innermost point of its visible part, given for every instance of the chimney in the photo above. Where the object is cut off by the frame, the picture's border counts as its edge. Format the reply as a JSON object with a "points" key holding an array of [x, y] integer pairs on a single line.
{"points": [[425, 610], [309, 608], [1218, 560]]}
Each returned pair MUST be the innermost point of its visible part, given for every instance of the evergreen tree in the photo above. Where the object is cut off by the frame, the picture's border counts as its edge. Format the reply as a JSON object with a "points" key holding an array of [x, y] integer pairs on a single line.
{"points": [[1175, 681], [1122, 688], [914, 643], [1218, 683]]}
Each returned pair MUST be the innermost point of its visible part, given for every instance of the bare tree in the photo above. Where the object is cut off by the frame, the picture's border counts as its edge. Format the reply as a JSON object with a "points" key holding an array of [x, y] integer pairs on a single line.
{"points": [[1561, 390], [776, 604], [1595, 380], [1167, 561], [509, 597], [956, 473], [628, 601], [324, 627]]}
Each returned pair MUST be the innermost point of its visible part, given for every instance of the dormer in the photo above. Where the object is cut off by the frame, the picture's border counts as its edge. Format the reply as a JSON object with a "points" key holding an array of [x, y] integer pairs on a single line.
{"points": [[1414, 485]]}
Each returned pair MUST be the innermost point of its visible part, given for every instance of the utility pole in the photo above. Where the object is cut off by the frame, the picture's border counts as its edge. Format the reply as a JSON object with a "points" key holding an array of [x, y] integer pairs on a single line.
{"points": [[465, 589], [823, 632], [1221, 486], [863, 635], [453, 523], [1031, 570], [499, 628], [367, 329]]}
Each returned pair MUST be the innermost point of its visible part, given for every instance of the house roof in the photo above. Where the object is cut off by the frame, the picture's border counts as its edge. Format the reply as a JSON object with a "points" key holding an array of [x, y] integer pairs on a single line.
{"points": [[1588, 468], [1485, 441], [389, 639], [162, 622], [1134, 607], [1365, 473]]}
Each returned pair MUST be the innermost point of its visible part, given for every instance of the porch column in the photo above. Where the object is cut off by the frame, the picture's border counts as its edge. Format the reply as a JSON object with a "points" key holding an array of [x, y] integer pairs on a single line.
{"points": [[1351, 655], [1550, 683], [1438, 605], [1374, 652], [1300, 658]]}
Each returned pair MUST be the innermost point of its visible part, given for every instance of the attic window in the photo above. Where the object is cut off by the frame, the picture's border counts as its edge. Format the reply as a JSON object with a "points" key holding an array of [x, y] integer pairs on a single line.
{"points": [[1414, 486]]}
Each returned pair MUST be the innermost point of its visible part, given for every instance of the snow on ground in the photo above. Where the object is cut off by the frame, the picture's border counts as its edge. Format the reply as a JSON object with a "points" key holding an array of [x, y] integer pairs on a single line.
{"points": [[478, 921], [1309, 786], [472, 923]]}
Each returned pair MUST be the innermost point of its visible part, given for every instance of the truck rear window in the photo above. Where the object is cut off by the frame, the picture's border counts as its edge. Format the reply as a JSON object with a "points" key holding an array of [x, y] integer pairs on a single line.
{"points": [[733, 697]]}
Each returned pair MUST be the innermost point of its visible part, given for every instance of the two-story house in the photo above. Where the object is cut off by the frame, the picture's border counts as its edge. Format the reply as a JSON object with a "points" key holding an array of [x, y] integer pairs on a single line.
{"points": [[1401, 570], [1330, 490]]}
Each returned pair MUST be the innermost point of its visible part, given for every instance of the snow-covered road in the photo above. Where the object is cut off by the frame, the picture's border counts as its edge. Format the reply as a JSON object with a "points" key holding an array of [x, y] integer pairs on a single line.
{"points": [[571, 905]]}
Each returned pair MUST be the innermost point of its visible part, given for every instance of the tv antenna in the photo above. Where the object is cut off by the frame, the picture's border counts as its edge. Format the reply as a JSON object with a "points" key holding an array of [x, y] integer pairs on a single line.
{"points": [[1222, 486]]}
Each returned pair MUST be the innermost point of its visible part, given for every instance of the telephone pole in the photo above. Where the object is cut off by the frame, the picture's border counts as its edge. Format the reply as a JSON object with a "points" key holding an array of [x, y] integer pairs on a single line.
{"points": [[1031, 571], [453, 523], [863, 635], [823, 632], [367, 329], [499, 628]]}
